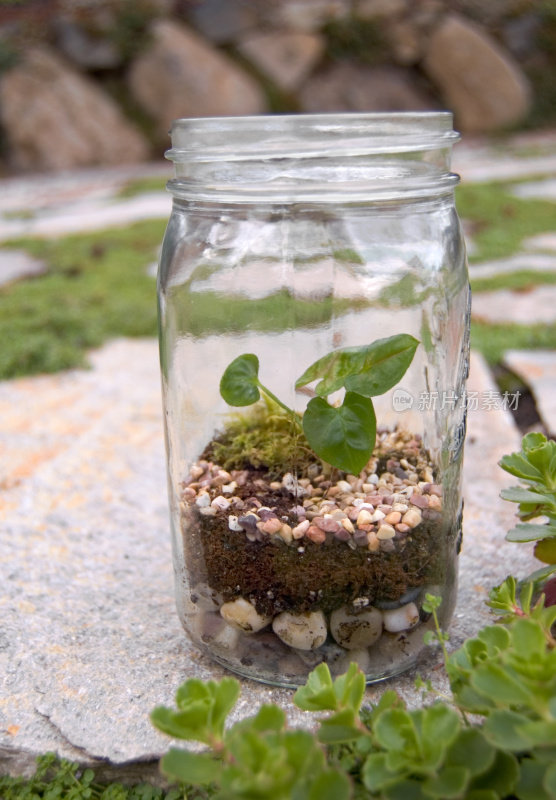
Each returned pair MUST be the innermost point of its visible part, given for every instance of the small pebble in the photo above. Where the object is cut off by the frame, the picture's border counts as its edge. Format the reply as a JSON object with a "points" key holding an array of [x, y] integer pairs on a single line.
{"points": [[364, 517], [401, 619], [393, 518], [302, 631], [233, 523], [271, 525], [356, 628], [203, 500], [300, 530], [221, 503], [419, 500], [315, 534], [286, 533], [243, 615], [373, 542], [412, 517], [385, 532]]}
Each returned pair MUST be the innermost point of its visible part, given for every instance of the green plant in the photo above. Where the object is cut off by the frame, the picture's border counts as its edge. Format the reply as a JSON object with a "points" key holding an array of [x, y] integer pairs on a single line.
{"points": [[505, 677], [343, 436], [59, 779], [535, 466]]}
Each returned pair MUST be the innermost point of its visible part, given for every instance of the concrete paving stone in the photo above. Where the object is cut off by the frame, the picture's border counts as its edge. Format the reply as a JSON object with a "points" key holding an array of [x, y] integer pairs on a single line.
{"points": [[537, 368], [522, 307], [521, 262], [88, 215], [90, 640], [16, 264], [536, 190], [544, 241]]}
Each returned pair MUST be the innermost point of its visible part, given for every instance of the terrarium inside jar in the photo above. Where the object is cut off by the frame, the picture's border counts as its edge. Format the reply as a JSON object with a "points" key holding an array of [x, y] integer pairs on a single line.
{"points": [[313, 301]]}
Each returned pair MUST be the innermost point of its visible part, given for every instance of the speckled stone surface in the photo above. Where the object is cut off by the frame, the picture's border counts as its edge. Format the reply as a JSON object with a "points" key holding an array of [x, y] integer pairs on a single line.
{"points": [[89, 638]]}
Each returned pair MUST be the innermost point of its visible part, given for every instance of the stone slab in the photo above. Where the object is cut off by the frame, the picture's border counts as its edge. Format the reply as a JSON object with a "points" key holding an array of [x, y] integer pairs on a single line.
{"points": [[89, 638], [522, 307], [521, 262], [537, 368], [16, 264], [536, 190]]}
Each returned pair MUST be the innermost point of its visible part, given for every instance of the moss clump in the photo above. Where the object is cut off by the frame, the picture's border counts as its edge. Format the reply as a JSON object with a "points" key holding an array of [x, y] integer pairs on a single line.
{"points": [[264, 438]]}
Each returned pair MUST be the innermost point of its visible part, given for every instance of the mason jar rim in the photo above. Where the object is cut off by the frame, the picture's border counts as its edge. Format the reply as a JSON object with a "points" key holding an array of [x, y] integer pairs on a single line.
{"points": [[274, 136]]}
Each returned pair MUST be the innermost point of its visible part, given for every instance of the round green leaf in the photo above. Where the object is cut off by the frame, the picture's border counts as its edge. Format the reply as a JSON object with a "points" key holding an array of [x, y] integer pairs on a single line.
{"points": [[239, 383], [545, 551], [344, 436]]}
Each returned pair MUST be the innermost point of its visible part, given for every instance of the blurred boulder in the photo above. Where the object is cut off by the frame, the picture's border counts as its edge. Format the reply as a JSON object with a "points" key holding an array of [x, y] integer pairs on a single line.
{"points": [[283, 56], [223, 20], [55, 118], [181, 75], [351, 87], [307, 15], [83, 47], [478, 80]]}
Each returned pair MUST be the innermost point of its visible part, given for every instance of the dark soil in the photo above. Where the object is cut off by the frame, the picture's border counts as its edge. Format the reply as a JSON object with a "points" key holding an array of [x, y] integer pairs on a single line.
{"points": [[305, 576]]}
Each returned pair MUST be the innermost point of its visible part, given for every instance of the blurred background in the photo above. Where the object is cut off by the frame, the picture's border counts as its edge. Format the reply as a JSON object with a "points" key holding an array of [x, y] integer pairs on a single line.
{"points": [[97, 82]]}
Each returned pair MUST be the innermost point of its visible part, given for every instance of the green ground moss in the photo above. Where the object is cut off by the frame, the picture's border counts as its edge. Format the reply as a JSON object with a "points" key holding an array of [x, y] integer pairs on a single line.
{"points": [[96, 288], [498, 221]]}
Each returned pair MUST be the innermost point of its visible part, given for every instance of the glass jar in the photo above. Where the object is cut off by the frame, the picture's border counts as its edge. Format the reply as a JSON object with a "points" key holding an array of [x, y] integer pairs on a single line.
{"points": [[313, 280]]}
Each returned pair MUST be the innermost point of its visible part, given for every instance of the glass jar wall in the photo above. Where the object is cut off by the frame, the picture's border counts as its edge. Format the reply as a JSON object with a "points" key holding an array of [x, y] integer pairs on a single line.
{"points": [[313, 280]]}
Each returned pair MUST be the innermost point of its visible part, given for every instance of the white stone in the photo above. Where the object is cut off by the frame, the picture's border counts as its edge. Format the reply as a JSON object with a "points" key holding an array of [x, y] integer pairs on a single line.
{"points": [[221, 502], [244, 616], [203, 500], [356, 628], [300, 530], [302, 631], [401, 619], [233, 524]]}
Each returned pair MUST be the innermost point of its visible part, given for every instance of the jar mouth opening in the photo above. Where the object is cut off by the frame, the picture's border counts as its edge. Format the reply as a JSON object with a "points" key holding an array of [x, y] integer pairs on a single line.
{"points": [[265, 137]]}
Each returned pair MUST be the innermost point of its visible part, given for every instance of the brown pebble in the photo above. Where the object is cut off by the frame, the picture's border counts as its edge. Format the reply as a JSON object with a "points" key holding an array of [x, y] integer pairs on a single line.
{"points": [[189, 494], [402, 527], [434, 488], [393, 518], [435, 502], [373, 542], [315, 534], [419, 500], [271, 525]]}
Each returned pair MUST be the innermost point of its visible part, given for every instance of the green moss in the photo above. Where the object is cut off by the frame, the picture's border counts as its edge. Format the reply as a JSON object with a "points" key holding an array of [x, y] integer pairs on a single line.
{"points": [[266, 438], [499, 221], [494, 340], [96, 288], [521, 280]]}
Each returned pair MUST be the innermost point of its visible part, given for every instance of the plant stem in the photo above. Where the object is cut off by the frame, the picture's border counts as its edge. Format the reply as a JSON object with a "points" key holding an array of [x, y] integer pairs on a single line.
{"points": [[294, 415]]}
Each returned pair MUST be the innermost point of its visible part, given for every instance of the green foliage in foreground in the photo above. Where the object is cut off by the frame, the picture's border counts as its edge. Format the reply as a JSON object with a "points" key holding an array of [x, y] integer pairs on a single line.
{"points": [[59, 779], [96, 288], [505, 676], [535, 467]]}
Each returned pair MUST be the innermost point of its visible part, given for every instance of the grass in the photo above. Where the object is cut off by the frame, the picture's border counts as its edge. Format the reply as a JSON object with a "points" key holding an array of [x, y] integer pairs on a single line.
{"points": [[498, 221], [96, 288], [141, 186]]}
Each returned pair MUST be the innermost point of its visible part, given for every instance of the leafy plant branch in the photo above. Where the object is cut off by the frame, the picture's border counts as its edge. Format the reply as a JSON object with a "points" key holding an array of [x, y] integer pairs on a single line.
{"points": [[343, 436]]}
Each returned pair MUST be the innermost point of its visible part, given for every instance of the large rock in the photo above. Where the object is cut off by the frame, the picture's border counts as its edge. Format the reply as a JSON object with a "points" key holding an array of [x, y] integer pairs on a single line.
{"points": [[481, 83], [350, 87], [180, 75], [286, 57], [54, 118]]}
